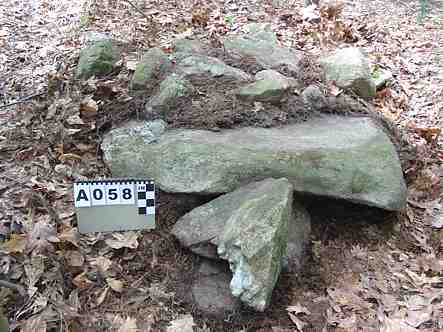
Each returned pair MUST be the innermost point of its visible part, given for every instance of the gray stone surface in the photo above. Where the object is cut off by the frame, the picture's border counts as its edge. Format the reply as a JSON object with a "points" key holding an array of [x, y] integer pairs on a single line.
{"points": [[153, 64], [255, 237], [247, 227], [261, 44], [381, 77], [349, 69], [210, 289], [314, 99], [348, 158], [171, 90], [270, 86], [205, 67], [97, 59], [186, 47], [299, 230]]}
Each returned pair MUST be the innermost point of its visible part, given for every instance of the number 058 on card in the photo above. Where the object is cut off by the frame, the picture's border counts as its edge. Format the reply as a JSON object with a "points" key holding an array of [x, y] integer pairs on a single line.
{"points": [[114, 205]]}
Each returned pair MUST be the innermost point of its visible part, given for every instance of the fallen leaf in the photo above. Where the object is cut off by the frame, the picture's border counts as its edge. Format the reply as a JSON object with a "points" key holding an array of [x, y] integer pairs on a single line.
{"points": [[81, 281], [183, 324], [129, 325], [102, 264], [298, 309], [102, 296], [74, 258], [115, 284], [88, 108], [297, 321], [15, 244], [123, 240], [396, 325]]}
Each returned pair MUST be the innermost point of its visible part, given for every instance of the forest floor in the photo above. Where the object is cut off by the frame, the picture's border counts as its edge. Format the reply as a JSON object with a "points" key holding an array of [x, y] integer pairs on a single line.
{"points": [[366, 271]]}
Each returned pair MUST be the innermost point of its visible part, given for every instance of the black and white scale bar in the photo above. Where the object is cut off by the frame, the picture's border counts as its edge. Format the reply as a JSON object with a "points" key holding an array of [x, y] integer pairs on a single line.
{"points": [[145, 197]]}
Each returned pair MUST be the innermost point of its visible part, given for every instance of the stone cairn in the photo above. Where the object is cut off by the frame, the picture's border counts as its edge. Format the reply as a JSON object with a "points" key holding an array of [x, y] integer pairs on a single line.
{"points": [[254, 229]]}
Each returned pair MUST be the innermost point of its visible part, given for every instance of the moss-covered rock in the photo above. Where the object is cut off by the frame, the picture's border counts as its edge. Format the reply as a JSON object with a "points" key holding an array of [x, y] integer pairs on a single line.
{"points": [[97, 59], [348, 158], [171, 90], [154, 64]]}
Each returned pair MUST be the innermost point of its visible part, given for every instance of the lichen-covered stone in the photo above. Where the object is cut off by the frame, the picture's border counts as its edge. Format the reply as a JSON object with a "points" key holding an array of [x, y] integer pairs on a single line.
{"points": [[381, 77], [97, 59], [154, 64], [340, 157], [198, 67], [349, 69], [270, 86], [314, 99], [186, 47], [254, 240], [247, 227], [261, 44], [171, 90]]}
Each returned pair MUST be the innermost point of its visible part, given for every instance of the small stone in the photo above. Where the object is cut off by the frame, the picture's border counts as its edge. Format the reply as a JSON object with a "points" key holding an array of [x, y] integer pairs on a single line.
{"points": [[349, 69], [314, 99], [199, 66], [270, 86], [171, 90], [97, 59], [381, 77], [261, 44], [154, 64]]}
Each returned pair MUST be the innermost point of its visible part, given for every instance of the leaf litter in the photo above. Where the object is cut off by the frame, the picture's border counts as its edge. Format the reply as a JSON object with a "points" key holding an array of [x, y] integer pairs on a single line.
{"points": [[386, 276]]}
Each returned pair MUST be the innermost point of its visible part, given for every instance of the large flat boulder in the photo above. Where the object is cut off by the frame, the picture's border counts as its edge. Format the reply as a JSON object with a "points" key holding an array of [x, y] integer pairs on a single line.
{"points": [[340, 157], [247, 227]]}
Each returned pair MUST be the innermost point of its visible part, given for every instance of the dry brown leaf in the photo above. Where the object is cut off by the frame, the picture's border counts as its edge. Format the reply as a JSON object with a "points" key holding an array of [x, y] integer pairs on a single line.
{"points": [[396, 325], [81, 281], [102, 296], [115, 284], [74, 258], [88, 108], [129, 325], [15, 244], [183, 324], [34, 324], [102, 263], [123, 240], [297, 321], [69, 234]]}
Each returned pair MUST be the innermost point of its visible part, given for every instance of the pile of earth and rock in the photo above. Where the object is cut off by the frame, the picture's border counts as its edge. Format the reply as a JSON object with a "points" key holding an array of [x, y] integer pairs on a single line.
{"points": [[249, 124]]}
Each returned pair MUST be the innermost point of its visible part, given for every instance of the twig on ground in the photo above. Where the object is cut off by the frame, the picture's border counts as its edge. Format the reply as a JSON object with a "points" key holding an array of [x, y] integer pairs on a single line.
{"points": [[22, 100], [7, 284], [138, 9]]}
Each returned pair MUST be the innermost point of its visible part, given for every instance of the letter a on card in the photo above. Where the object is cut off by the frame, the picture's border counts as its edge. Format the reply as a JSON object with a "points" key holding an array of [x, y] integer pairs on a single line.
{"points": [[82, 195]]}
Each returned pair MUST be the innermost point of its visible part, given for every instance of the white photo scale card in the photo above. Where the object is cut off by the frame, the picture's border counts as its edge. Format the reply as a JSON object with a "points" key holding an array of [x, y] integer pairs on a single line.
{"points": [[114, 204]]}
